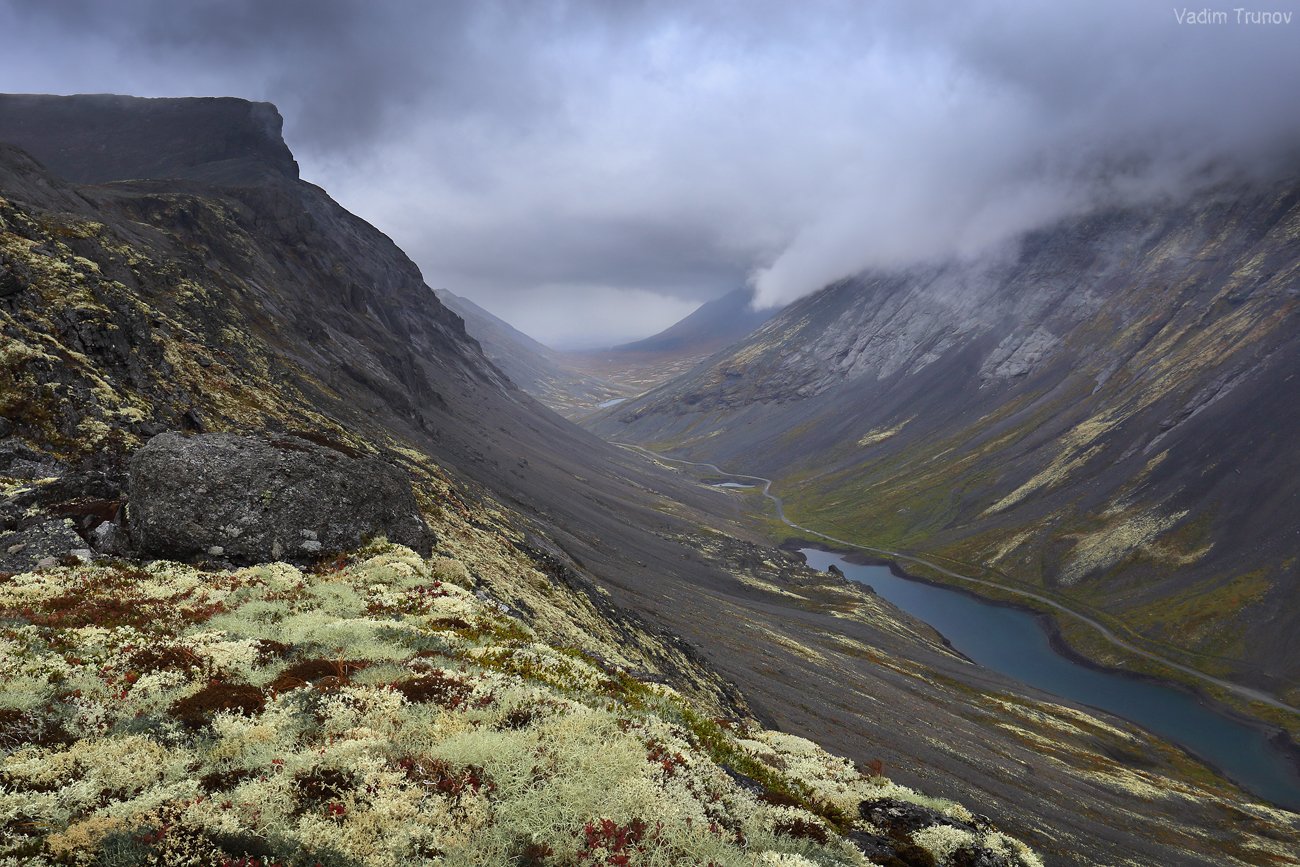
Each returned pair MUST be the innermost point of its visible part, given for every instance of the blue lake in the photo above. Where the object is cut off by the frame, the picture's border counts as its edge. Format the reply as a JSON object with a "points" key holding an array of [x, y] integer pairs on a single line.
{"points": [[1015, 643]]}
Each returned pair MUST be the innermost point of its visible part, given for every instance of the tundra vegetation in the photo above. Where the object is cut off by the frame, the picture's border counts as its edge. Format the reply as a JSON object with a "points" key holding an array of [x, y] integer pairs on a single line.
{"points": [[377, 710]]}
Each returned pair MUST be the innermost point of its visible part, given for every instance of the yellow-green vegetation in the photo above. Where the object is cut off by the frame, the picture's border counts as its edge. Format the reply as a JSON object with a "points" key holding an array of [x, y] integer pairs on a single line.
{"points": [[1197, 615], [378, 711], [1117, 540]]}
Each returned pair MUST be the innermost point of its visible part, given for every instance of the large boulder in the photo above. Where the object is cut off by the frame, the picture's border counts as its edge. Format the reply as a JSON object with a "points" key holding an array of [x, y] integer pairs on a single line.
{"points": [[256, 499]]}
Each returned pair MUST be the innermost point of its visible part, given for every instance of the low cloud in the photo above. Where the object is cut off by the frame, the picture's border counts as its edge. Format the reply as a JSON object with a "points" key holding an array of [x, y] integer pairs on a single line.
{"points": [[622, 162]]}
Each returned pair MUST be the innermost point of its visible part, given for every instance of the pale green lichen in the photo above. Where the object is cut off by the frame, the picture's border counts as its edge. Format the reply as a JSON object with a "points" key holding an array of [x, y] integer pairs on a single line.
{"points": [[375, 711]]}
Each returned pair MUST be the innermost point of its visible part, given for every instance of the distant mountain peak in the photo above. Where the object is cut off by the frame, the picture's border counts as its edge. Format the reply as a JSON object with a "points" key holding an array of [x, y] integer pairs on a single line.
{"points": [[713, 325]]}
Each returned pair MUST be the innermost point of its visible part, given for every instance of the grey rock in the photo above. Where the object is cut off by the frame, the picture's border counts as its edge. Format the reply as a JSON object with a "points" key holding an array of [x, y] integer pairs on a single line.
{"points": [[6, 427], [875, 848], [1018, 354], [745, 782], [264, 498], [108, 538], [39, 546], [903, 817], [20, 462], [148, 429], [14, 277], [88, 498]]}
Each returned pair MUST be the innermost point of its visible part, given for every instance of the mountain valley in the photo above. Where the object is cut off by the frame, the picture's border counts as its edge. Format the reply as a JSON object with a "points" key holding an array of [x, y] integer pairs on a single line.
{"points": [[166, 276], [1100, 416]]}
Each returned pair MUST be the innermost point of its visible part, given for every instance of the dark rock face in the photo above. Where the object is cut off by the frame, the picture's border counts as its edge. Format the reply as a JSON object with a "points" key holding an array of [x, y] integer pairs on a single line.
{"points": [[20, 462], [39, 545], [900, 819], [904, 817], [98, 138], [258, 499], [13, 277], [109, 538]]}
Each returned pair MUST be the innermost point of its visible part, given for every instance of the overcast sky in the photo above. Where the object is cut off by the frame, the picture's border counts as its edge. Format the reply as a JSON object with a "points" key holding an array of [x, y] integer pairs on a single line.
{"points": [[592, 171]]}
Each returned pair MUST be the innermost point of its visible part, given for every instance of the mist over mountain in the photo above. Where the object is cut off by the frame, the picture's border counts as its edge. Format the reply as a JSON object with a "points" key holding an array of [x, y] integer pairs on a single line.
{"points": [[586, 169]]}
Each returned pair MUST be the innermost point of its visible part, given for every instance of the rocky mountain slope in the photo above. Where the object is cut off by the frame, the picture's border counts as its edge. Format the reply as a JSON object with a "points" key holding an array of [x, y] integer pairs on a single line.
{"points": [[254, 305], [1104, 413], [381, 712]]}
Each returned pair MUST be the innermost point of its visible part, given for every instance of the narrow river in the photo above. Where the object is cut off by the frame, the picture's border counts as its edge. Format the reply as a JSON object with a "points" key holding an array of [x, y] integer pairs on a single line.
{"points": [[1015, 643]]}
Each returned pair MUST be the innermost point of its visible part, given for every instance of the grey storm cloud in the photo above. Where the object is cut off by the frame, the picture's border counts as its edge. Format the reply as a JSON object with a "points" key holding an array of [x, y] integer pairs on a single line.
{"points": [[591, 171]]}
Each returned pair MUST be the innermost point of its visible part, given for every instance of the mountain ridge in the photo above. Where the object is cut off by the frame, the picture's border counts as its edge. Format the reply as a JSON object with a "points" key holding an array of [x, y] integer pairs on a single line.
{"points": [[536, 368]]}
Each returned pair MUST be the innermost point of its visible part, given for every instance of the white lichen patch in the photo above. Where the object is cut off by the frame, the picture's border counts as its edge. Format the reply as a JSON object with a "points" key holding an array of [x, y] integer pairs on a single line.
{"points": [[1107, 546], [766, 586], [942, 841], [375, 712], [10, 486], [1064, 465], [1066, 720], [1143, 784], [1009, 545], [790, 644], [879, 435]]}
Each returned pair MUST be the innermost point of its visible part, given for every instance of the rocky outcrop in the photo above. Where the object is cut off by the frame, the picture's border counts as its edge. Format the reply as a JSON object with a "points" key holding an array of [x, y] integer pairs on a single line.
{"points": [[259, 499]]}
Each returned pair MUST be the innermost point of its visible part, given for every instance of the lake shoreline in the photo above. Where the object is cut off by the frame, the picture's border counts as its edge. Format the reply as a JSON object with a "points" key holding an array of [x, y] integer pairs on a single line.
{"points": [[1279, 737]]}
